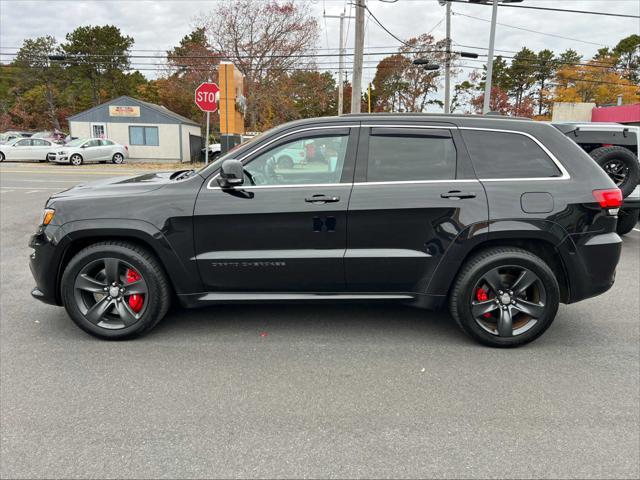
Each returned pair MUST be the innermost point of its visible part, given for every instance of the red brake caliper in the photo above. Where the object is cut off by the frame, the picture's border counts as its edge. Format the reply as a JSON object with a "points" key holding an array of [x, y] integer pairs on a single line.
{"points": [[483, 296], [136, 301]]}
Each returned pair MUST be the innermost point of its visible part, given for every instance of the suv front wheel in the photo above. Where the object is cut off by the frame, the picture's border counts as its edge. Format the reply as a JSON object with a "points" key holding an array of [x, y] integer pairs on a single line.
{"points": [[115, 290], [505, 297]]}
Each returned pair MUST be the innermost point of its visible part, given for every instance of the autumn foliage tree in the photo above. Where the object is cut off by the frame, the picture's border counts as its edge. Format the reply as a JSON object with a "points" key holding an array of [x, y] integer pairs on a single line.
{"points": [[596, 81], [264, 39]]}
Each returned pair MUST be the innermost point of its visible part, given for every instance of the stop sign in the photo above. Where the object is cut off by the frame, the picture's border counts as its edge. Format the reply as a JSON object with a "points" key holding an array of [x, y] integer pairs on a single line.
{"points": [[206, 97]]}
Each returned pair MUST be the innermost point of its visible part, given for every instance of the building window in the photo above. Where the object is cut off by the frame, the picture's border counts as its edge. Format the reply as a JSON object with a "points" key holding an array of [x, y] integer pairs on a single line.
{"points": [[143, 136]]}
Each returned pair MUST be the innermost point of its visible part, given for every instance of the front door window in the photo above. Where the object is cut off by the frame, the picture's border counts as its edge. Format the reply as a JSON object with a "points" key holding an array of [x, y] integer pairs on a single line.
{"points": [[316, 160]]}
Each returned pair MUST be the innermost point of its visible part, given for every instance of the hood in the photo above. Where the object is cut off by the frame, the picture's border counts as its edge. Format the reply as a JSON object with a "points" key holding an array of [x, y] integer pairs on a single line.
{"points": [[118, 186]]}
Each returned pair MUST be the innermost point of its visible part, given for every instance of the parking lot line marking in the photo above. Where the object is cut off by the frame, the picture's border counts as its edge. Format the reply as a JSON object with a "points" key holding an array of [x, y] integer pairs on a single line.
{"points": [[53, 172], [60, 187], [637, 229]]}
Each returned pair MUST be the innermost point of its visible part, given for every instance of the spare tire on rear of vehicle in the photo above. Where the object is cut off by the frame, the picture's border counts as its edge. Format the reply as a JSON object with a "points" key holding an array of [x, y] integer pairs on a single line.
{"points": [[620, 164]]}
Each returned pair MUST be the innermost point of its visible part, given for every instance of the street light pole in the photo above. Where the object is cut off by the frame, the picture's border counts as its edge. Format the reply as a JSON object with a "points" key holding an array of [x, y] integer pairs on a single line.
{"points": [[447, 62], [341, 55], [492, 41], [356, 86]]}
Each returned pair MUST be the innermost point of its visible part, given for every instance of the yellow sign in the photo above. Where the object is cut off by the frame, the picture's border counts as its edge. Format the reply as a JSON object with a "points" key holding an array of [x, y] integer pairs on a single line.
{"points": [[123, 111]]}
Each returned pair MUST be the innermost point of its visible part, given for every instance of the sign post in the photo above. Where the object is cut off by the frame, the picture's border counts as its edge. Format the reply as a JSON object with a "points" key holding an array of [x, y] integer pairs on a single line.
{"points": [[205, 97]]}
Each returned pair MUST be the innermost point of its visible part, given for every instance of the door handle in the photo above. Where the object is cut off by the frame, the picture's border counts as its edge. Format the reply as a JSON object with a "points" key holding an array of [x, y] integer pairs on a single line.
{"points": [[458, 194], [321, 199]]}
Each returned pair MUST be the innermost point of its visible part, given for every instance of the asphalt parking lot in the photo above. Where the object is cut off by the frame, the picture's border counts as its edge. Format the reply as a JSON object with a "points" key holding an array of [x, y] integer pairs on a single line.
{"points": [[307, 391]]}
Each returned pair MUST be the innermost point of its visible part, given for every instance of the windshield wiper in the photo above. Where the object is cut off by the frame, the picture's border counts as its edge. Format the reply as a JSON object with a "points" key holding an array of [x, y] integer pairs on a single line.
{"points": [[180, 174]]}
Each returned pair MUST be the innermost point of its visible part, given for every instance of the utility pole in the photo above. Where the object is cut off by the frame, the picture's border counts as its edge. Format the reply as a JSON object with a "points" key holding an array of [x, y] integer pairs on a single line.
{"points": [[341, 53], [492, 41], [447, 62], [356, 86]]}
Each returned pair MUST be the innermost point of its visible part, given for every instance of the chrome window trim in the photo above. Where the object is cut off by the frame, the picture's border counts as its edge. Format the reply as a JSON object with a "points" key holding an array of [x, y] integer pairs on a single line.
{"points": [[262, 187], [565, 174], [400, 182]]}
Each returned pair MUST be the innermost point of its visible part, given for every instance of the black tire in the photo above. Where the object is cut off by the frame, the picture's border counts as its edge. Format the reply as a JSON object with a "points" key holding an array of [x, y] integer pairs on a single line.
{"points": [[473, 272], [610, 158], [627, 220], [157, 299], [117, 158], [285, 161], [77, 159], [1, 157]]}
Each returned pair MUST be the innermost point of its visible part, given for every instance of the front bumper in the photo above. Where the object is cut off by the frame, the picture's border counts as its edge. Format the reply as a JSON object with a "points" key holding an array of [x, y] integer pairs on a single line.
{"points": [[44, 262], [56, 158]]}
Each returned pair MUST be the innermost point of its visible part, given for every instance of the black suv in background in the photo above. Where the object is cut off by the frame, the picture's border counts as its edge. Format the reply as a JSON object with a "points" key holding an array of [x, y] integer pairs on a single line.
{"points": [[501, 219]]}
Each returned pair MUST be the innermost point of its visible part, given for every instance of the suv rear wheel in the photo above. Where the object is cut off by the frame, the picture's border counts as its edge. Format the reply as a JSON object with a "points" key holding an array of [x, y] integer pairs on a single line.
{"points": [[627, 219], [505, 297], [620, 164], [115, 290]]}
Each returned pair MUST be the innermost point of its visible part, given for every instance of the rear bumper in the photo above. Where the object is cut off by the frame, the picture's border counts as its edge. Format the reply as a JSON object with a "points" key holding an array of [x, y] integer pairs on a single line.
{"points": [[592, 270]]}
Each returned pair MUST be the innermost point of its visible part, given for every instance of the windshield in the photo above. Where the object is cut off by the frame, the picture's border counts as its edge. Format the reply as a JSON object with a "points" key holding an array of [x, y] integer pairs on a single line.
{"points": [[76, 143], [215, 165]]}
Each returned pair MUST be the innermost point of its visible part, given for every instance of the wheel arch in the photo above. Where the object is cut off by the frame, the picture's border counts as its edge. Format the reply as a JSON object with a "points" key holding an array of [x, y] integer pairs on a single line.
{"points": [[79, 236], [542, 244]]}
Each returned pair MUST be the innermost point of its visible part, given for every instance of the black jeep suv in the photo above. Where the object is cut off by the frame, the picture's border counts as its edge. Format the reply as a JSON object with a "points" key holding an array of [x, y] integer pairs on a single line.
{"points": [[502, 219]]}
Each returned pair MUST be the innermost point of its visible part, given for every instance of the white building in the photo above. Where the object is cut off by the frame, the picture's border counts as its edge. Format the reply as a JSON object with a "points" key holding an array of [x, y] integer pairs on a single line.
{"points": [[150, 131]]}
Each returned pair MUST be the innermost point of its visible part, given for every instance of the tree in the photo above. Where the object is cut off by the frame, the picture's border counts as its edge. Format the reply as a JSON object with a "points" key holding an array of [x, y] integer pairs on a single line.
{"points": [[313, 93], [388, 82], [522, 74], [100, 55], [628, 53], [545, 69], [263, 39], [399, 85], [462, 96], [596, 81], [37, 71]]}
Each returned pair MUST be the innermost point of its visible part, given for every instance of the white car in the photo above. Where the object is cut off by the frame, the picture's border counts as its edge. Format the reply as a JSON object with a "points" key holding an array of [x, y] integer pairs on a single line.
{"points": [[86, 150], [26, 149]]}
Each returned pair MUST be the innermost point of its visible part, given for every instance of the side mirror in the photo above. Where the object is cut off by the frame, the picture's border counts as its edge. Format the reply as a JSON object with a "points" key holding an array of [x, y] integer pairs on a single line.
{"points": [[231, 174]]}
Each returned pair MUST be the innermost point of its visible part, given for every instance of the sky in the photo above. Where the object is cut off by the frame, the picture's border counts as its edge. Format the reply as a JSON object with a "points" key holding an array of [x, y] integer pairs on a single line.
{"points": [[158, 25]]}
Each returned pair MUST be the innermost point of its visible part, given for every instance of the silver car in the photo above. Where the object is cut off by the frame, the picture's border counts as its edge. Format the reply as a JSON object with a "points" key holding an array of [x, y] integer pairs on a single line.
{"points": [[27, 149], [86, 150]]}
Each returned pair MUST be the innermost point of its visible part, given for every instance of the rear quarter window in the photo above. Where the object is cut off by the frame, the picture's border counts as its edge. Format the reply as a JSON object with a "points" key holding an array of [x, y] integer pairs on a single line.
{"points": [[508, 155]]}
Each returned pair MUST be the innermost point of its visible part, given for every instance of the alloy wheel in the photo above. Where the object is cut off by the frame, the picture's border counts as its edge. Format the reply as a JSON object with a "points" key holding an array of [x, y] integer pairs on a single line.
{"points": [[111, 293], [508, 301], [117, 158], [76, 160], [617, 171]]}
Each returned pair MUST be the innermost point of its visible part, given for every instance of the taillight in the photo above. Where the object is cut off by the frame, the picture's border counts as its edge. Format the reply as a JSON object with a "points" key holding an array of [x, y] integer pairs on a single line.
{"points": [[609, 198]]}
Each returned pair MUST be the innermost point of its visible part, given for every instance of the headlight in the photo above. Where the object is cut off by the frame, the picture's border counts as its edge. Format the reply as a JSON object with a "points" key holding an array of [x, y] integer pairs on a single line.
{"points": [[61, 152], [47, 216]]}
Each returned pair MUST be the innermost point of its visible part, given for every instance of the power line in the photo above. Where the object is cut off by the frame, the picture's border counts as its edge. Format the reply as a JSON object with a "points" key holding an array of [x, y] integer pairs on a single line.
{"points": [[564, 10], [375, 19], [529, 30]]}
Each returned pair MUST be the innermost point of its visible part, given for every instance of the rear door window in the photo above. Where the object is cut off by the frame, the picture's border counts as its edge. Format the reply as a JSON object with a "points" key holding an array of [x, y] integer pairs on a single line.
{"points": [[498, 155], [397, 154]]}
